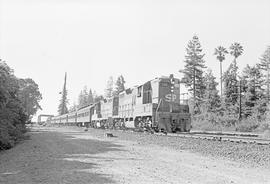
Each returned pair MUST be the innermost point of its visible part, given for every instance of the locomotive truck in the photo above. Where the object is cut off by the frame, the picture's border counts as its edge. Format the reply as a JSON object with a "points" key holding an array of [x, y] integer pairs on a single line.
{"points": [[153, 105]]}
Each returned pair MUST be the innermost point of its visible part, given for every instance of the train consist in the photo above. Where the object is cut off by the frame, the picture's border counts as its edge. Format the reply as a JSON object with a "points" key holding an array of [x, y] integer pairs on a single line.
{"points": [[154, 105]]}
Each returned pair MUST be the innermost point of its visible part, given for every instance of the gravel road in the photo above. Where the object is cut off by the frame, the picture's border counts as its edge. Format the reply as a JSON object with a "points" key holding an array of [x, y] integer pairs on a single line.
{"points": [[70, 155]]}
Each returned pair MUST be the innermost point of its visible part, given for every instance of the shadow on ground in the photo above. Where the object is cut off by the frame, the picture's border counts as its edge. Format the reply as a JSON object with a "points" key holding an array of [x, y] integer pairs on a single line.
{"points": [[49, 159]]}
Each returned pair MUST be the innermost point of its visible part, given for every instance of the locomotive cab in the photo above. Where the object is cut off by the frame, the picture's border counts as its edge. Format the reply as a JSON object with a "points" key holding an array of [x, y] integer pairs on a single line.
{"points": [[159, 100]]}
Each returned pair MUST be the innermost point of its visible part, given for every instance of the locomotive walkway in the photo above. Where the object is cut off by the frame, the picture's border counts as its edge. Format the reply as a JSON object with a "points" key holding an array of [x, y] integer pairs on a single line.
{"points": [[70, 155]]}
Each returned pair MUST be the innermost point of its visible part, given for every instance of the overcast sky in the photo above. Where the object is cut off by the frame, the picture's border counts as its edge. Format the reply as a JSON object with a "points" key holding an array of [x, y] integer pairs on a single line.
{"points": [[94, 39]]}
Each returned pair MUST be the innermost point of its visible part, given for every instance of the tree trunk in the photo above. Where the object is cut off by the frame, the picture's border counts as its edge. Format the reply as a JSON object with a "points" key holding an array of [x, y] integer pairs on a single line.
{"points": [[221, 79], [240, 101], [267, 81]]}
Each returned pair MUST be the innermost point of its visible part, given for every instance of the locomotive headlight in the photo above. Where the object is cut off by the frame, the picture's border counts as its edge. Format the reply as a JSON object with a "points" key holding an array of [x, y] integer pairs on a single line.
{"points": [[172, 80], [172, 89], [172, 84]]}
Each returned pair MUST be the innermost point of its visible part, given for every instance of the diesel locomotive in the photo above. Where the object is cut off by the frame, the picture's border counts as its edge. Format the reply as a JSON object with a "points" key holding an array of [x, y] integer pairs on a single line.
{"points": [[154, 105]]}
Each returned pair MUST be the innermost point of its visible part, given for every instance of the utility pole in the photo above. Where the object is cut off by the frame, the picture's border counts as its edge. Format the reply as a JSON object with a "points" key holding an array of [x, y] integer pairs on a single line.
{"points": [[194, 90], [267, 82]]}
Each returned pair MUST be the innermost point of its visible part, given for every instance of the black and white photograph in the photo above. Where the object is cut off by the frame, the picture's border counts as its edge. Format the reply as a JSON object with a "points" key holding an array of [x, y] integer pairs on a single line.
{"points": [[134, 92]]}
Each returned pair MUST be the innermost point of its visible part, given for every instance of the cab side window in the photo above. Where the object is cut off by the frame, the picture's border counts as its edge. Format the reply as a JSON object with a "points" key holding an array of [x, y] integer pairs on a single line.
{"points": [[139, 94]]}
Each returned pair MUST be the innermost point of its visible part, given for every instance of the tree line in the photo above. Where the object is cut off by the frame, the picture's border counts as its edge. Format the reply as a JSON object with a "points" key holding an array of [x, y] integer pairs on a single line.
{"points": [[87, 97], [19, 101], [242, 103]]}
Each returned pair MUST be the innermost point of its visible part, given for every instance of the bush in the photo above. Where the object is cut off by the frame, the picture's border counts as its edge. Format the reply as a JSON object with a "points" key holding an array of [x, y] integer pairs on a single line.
{"points": [[214, 122], [9, 134], [4, 139], [14, 93], [266, 134], [205, 126], [264, 125], [247, 125]]}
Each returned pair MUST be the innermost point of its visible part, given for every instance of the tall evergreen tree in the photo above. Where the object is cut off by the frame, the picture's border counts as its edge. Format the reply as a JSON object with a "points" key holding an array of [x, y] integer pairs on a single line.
{"points": [[80, 99], [211, 98], [253, 91], [220, 52], [193, 71], [109, 88], [83, 98], [119, 85], [73, 107], [231, 88], [264, 65], [62, 108], [90, 97], [97, 97]]}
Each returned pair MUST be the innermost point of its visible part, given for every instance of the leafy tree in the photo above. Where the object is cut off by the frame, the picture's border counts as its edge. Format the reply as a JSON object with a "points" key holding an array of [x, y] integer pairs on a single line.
{"points": [[193, 71], [264, 65], [14, 113], [220, 52], [30, 96], [8, 83], [62, 108], [119, 85], [109, 88]]}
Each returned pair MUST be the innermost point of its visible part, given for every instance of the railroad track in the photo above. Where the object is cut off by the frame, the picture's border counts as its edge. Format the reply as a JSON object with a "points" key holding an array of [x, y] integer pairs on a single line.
{"points": [[244, 138], [221, 137]]}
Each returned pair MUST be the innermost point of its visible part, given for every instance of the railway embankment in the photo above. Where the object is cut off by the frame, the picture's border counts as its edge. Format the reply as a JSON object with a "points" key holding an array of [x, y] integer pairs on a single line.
{"points": [[247, 153], [72, 155]]}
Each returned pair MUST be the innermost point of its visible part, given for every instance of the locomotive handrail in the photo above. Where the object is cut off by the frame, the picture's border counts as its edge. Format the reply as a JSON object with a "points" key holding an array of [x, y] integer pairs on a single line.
{"points": [[159, 104], [160, 101]]}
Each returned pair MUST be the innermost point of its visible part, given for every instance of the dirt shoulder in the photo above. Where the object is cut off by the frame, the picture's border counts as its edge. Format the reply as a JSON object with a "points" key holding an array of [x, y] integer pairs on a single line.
{"points": [[65, 155]]}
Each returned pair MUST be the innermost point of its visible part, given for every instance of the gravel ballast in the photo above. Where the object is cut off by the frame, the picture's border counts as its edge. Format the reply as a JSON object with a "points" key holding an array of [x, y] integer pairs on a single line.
{"points": [[251, 154]]}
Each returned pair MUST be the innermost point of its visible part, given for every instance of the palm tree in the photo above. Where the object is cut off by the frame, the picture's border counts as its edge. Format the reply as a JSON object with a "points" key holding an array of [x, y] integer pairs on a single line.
{"points": [[236, 50], [220, 53]]}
